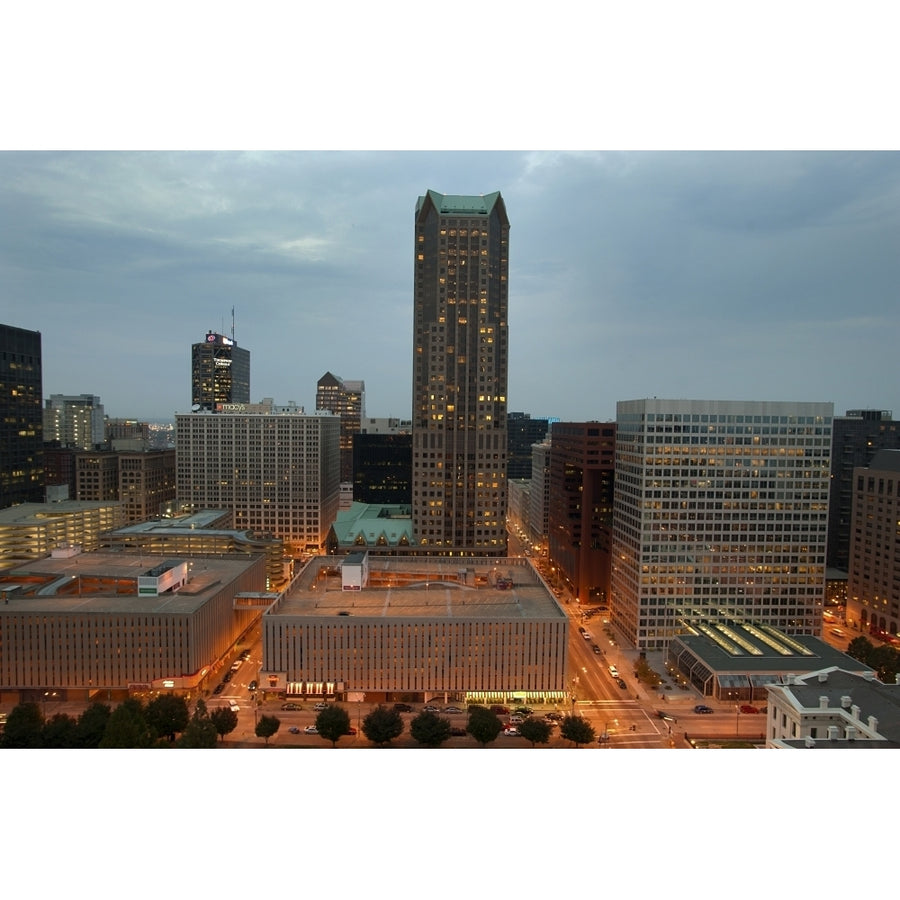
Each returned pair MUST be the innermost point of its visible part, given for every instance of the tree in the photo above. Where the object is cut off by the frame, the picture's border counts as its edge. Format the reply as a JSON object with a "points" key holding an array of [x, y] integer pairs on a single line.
{"points": [[24, 727], [60, 732], [224, 720], [884, 660], [92, 725], [535, 730], [200, 734], [382, 725], [333, 723], [577, 730], [267, 726], [430, 729], [483, 725], [127, 728], [861, 648], [166, 715]]}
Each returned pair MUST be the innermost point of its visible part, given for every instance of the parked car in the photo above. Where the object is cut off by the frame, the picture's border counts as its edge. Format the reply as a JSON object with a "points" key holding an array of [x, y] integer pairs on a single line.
{"points": [[581, 628], [351, 731], [294, 729], [227, 676], [402, 707], [553, 716], [523, 710], [700, 708], [291, 706], [500, 710], [458, 732], [516, 720], [236, 665], [621, 683], [310, 729], [751, 710], [511, 732], [431, 708], [245, 655], [219, 688], [320, 706], [452, 709]]}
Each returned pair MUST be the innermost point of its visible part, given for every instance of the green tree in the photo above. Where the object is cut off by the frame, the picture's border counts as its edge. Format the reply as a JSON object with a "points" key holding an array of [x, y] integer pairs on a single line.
{"points": [[577, 730], [382, 725], [60, 732], [333, 723], [127, 728], [166, 715], [224, 720], [535, 730], [267, 726], [430, 729], [483, 725], [92, 725], [884, 660], [200, 734], [24, 727], [861, 648]]}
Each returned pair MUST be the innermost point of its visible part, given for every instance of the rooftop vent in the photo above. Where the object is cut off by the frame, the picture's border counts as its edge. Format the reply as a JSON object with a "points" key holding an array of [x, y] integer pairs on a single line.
{"points": [[823, 677], [846, 701]]}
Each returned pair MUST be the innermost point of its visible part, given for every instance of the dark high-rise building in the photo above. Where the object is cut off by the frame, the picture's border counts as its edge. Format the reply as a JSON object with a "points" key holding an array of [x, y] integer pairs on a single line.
{"points": [[21, 417], [460, 365], [582, 470], [382, 468], [220, 373], [522, 433], [346, 399], [855, 438]]}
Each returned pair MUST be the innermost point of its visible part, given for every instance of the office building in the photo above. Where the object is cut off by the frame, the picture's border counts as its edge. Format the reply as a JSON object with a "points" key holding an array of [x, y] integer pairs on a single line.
{"points": [[74, 421], [21, 420], [720, 512], [220, 373], [382, 468], [857, 437], [539, 496], [522, 433], [460, 363], [347, 400], [379, 629], [582, 472], [873, 582], [105, 625], [274, 467]]}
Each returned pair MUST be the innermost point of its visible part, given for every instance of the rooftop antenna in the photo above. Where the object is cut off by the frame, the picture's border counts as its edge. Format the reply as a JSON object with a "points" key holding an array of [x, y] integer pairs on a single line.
{"points": [[232, 323]]}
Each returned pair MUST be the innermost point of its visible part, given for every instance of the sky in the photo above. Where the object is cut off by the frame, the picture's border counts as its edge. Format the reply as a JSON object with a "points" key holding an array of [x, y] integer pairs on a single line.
{"points": [[754, 275]]}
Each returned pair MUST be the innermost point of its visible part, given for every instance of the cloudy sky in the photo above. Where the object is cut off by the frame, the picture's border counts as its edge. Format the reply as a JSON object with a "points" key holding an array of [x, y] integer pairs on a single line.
{"points": [[707, 275]]}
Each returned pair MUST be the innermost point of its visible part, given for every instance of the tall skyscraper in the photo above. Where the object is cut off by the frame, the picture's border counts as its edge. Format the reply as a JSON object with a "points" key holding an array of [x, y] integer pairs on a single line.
{"points": [[721, 511], [460, 365], [523, 433], [220, 373], [21, 421], [76, 421], [346, 399]]}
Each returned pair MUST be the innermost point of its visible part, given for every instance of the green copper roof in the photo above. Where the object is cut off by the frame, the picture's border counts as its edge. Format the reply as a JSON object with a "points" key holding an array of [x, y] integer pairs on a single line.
{"points": [[372, 525], [461, 204]]}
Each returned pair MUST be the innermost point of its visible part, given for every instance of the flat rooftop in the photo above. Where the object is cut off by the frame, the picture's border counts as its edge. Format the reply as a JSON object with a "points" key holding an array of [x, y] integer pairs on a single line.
{"points": [[106, 582], [416, 587]]}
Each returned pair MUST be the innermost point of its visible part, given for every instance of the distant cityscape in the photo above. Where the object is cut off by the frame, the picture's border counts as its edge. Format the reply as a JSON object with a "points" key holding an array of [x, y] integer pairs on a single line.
{"points": [[695, 573]]}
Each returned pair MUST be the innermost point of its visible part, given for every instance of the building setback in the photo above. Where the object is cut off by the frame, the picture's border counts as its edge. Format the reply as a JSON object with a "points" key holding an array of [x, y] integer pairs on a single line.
{"points": [[347, 400], [275, 468], [21, 418], [721, 511], [460, 363]]}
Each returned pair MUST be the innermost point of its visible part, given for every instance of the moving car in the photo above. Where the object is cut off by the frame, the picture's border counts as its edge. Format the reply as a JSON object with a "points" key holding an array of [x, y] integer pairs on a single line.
{"points": [[752, 710], [294, 729], [667, 716], [596, 649], [458, 732], [452, 709], [253, 685], [511, 732], [587, 635], [291, 706], [430, 708], [621, 683], [516, 720], [320, 706], [523, 710], [310, 729], [500, 710], [402, 707], [837, 632], [553, 716], [700, 708], [614, 671]]}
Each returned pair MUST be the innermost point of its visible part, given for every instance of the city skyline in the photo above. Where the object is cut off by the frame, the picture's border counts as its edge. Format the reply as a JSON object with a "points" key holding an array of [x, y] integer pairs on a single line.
{"points": [[747, 276]]}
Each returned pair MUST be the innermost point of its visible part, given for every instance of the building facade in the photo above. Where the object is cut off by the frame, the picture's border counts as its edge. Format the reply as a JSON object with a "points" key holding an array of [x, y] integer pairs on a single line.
{"points": [[721, 511], [74, 421], [873, 582], [857, 437], [21, 419], [460, 373], [347, 400], [539, 496], [220, 373], [468, 629], [582, 474], [382, 468], [522, 433], [275, 468]]}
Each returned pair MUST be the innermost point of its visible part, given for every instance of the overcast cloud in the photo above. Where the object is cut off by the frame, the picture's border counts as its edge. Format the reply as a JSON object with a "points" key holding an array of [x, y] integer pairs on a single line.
{"points": [[757, 276]]}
